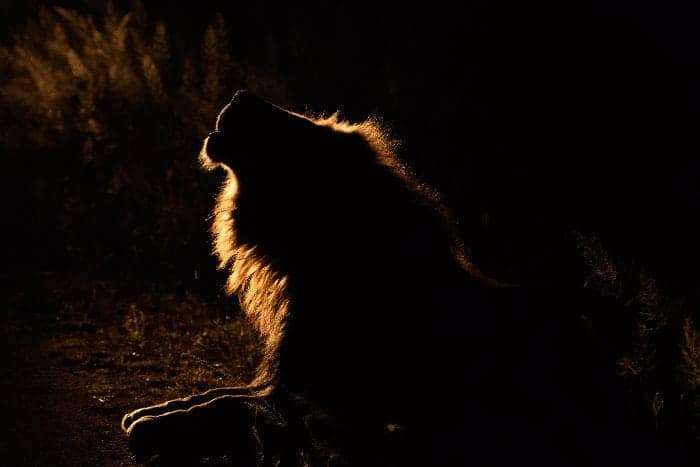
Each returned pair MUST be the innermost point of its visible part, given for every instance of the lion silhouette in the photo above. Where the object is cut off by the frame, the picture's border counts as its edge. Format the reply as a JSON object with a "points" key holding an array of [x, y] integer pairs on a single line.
{"points": [[383, 343]]}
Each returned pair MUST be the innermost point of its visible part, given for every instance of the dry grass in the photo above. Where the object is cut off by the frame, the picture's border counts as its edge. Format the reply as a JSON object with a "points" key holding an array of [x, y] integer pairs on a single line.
{"points": [[70, 73], [155, 344], [661, 364]]}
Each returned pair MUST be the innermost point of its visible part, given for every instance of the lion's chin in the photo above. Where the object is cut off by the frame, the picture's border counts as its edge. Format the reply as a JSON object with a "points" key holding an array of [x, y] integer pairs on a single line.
{"points": [[205, 160]]}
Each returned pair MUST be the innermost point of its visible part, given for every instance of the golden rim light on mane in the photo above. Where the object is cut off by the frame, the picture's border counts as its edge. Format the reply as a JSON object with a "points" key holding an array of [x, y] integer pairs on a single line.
{"points": [[261, 289]]}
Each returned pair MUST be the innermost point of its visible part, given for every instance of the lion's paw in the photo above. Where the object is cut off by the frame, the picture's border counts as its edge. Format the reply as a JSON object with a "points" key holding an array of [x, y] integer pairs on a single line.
{"points": [[145, 436], [128, 419]]}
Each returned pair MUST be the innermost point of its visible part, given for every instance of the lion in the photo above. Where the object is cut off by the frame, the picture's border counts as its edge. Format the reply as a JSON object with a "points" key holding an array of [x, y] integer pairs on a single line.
{"points": [[383, 343]]}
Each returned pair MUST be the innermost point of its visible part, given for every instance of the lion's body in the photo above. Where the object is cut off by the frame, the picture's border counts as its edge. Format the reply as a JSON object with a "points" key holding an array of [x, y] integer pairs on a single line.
{"points": [[353, 274]]}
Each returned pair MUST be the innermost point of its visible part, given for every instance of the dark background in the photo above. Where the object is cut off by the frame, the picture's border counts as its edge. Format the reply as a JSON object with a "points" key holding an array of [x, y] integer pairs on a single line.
{"points": [[564, 136], [532, 119]]}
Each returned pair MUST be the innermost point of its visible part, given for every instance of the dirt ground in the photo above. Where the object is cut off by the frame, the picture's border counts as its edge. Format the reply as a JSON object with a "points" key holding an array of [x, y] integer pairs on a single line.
{"points": [[76, 354], [54, 415]]}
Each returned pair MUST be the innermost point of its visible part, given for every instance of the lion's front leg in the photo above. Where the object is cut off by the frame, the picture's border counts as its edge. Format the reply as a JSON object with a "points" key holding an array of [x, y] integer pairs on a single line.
{"points": [[227, 423], [185, 403]]}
